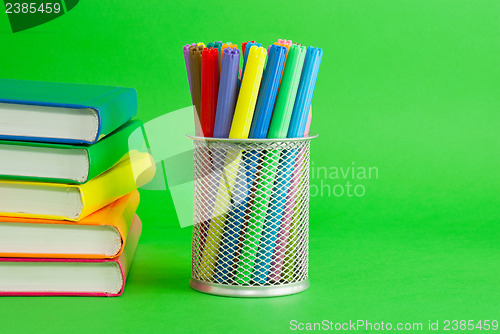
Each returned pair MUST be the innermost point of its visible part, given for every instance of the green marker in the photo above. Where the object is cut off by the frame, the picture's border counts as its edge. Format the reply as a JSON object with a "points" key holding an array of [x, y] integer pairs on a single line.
{"points": [[264, 184], [288, 91]]}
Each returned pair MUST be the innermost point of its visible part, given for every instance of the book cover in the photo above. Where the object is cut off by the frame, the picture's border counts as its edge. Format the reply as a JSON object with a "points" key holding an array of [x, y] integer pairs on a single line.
{"points": [[117, 215], [114, 105], [124, 262]]}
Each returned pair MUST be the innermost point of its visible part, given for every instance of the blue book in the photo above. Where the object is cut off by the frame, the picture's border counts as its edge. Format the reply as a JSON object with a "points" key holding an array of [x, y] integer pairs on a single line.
{"points": [[62, 113]]}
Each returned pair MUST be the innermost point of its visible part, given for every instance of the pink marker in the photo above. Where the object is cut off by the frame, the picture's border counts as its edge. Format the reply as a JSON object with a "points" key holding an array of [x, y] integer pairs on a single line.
{"points": [[308, 124], [281, 41], [284, 41], [282, 241]]}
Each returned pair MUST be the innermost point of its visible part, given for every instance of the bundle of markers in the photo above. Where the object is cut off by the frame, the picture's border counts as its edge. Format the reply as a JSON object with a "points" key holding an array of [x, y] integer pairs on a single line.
{"points": [[269, 96]]}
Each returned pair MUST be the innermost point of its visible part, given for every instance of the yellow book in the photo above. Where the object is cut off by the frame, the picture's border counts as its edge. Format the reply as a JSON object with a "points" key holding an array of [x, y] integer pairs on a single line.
{"points": [[75, 202]]}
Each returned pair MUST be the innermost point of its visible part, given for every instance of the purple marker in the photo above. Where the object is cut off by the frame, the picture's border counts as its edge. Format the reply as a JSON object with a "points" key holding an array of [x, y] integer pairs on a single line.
{"points": [[185, 50], [226, 99]]}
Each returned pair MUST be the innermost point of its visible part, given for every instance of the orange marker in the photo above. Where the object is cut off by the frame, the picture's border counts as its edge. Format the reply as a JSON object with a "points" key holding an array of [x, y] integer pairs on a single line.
{"points": [[227, 45]]}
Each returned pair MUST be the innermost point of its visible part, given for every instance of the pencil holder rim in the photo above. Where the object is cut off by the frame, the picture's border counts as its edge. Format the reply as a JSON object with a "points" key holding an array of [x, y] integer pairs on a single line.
{"points": [[249, 291], [253, 140]]}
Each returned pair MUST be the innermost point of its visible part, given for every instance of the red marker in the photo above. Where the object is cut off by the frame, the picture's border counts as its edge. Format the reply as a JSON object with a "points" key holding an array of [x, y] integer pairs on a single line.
{"points": [[243, 46], [209, 90]]}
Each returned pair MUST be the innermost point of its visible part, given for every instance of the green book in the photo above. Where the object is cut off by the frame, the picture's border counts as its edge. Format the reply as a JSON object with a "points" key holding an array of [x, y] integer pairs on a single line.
{"points": [[73, 164]]}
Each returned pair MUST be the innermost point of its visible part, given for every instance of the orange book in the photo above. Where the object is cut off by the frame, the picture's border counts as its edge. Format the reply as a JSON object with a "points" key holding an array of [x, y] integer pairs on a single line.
{"points": [[100, 235]]}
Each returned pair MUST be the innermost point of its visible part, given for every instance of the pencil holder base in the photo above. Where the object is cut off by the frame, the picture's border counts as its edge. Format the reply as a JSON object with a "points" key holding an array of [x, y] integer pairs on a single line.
{"points": [[248, 291]]}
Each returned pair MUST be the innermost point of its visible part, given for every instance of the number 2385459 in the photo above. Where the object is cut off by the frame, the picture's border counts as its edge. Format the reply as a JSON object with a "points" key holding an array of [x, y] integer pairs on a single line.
{"points": [[32, 8]]}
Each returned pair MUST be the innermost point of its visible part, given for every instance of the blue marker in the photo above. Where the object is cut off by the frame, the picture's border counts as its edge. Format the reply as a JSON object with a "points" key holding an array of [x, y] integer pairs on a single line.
{"points": [[268, 92], [305, 93], [296, 129], [247, 51]]}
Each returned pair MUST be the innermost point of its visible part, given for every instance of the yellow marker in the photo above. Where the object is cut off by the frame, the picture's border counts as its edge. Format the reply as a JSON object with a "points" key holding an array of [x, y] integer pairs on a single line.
{"points": [[240, 129], [202, 44], [249, 90], [220, 212]]}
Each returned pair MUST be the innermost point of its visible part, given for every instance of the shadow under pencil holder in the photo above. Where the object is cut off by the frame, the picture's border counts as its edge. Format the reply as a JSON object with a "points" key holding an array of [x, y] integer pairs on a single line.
{"points": [[251, 216]]}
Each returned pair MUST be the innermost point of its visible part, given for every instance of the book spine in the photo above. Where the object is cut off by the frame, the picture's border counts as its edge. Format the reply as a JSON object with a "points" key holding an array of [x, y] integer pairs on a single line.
{"points": [[117, 182], [114, 149], [126, 224], [126, 258]]}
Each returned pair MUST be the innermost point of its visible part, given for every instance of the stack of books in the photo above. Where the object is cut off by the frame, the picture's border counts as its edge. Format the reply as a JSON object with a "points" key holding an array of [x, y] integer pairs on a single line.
{"points": [[70, 167]]}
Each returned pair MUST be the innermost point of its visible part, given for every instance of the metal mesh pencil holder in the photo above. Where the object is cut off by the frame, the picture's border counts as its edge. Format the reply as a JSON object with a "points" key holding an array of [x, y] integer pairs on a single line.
{"points": [[251, 216]]}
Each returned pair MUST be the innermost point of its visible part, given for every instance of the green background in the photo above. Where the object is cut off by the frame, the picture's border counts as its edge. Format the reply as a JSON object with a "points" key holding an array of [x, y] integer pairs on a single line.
{"points": [[410, 87]]}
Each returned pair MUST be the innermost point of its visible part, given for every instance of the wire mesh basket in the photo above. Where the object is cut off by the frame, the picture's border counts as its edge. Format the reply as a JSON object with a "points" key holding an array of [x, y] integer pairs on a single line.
{"points": [[251, 216]]}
